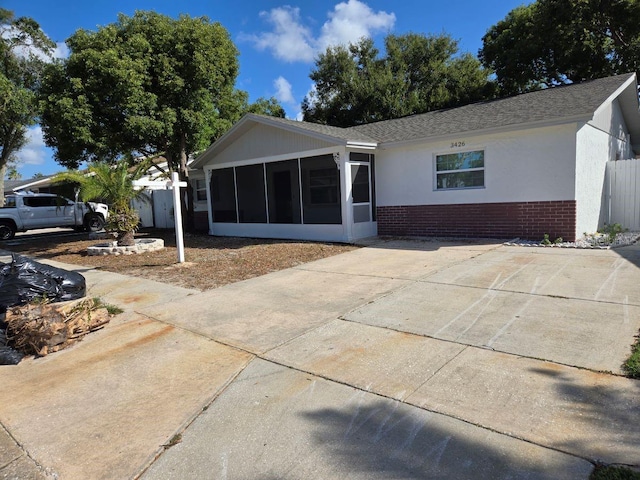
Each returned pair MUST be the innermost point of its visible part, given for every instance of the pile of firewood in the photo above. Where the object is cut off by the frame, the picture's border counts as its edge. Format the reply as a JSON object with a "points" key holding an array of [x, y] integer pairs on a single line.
{"points": [[43, 328]]}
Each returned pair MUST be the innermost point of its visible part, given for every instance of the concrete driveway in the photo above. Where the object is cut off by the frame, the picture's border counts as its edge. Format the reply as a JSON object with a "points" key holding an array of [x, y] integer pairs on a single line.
{"points": [[404, 359]]}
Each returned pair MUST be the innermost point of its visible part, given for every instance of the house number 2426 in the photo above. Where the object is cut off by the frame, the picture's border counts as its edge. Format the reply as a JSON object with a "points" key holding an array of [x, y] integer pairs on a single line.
{"points": [[457, 144]]}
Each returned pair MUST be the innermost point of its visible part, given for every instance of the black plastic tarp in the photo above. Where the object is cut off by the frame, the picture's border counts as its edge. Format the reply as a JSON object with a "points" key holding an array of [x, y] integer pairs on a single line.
{"points": [[24, 280]]}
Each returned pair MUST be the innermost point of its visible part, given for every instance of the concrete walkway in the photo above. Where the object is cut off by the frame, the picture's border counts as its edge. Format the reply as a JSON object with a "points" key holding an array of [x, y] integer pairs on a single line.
{"points": [[404, 359]]}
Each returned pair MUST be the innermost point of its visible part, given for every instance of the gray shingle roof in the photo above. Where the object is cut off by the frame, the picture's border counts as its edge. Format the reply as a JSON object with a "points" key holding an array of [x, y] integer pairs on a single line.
{"points": [[541, 106], [346, 134]]}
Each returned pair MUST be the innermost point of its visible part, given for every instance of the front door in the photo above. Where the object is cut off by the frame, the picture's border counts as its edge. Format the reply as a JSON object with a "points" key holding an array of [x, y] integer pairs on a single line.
{"points": [[362, 199], [361, 192]]}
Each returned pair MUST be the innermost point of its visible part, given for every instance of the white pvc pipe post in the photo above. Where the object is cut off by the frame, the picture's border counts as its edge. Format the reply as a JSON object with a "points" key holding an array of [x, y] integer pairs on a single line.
{"points": [[177, 215]]}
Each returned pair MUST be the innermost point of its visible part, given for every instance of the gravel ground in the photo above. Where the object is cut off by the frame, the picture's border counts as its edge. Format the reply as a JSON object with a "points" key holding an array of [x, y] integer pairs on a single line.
{"points": [[592, 241], [210, 262]]}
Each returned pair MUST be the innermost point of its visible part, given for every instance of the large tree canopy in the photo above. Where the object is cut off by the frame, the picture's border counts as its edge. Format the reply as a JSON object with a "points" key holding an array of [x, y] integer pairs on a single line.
{"points": [[551, 42], [148, 84], [22, 45], [356, 85]]}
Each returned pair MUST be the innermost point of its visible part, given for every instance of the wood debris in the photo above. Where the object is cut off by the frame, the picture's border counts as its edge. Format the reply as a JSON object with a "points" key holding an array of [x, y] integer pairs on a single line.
{"points": [[43, 328]]}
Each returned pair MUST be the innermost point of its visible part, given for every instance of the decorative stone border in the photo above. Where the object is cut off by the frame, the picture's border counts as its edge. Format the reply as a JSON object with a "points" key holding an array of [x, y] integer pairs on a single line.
{"points": [[142, 245], [593, 242]]}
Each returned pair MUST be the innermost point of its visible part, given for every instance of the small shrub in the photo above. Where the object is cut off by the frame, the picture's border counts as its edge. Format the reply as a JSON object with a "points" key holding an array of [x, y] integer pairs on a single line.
{"points": [[611, 231], [111, 309], [545, 240], [558, 240], [632, 365], [602, 472]]}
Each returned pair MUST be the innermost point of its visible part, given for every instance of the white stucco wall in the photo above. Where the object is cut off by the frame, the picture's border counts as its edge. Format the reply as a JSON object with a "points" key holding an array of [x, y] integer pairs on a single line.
{"points": [[603, 139], [526, 165]]}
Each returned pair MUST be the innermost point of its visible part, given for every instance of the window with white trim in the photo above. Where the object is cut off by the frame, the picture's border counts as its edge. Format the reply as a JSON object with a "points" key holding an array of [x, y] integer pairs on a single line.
{"points": [[460, 170], [201, 190]]}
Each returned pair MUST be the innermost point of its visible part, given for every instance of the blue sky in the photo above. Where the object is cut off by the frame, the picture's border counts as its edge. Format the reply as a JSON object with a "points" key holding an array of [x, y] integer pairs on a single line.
{"points": [[277, 40]]}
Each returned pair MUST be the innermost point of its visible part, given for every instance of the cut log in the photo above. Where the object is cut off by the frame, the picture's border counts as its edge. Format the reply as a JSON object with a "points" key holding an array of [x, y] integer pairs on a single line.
{"points": [[43, 328]]}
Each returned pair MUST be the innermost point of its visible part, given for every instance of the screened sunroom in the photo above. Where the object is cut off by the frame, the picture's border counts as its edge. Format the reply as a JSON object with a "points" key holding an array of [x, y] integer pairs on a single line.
{"points": [[324, 193]]}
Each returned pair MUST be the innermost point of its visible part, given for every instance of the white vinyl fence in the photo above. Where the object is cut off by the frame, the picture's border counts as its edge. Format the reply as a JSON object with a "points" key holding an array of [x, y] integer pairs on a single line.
{"points": [[623, 193], [157, 211]]}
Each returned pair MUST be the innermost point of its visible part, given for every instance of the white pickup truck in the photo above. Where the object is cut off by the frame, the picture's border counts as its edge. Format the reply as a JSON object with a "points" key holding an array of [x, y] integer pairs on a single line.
{"points": [[30, 211]]}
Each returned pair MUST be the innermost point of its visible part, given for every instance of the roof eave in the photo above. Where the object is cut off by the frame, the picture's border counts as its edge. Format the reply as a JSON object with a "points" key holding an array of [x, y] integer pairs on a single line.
{"points": [[619, 91], [630, 106], [292, 127], [40, 181], [362, 145], [250, 117], [488, 131]]}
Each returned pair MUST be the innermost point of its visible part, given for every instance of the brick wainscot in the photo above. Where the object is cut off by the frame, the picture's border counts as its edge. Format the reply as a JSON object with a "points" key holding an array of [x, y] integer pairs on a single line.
{"points": [[526, 220]]}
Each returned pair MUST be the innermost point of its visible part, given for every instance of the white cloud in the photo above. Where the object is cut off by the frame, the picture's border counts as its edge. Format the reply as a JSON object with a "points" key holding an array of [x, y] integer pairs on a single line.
{"points": [[284, 93], [351, 21], [311, 95], [33, 153], [290, 40], [60, 51], [311, 98]]}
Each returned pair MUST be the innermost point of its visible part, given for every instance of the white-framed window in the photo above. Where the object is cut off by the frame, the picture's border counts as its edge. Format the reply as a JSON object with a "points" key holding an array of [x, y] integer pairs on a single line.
{"points": [[459, 170], [201, 190]]}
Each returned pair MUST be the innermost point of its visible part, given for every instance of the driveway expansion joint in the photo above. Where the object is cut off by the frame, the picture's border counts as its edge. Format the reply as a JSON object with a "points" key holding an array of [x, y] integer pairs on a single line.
{"points": [[25, 454], [488, 348], [534, 294], [447, 415], [183, 428]]}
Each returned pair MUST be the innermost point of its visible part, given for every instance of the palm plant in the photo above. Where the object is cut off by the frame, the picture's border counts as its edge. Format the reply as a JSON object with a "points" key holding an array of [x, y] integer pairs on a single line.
{"points": [[113, 184]]}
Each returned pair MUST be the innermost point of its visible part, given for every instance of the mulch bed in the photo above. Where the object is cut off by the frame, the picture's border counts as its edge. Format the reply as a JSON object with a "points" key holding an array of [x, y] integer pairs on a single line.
{"points": [[210, 261]]}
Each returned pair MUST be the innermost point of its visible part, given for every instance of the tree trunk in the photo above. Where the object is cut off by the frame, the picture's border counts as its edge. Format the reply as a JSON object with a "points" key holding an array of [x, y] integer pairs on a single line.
{"points": [[188, 216], [169, 157], [126, 239]]}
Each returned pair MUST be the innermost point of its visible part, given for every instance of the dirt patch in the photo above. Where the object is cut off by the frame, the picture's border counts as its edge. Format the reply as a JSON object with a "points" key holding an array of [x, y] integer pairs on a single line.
{"points": [[210, 261]]}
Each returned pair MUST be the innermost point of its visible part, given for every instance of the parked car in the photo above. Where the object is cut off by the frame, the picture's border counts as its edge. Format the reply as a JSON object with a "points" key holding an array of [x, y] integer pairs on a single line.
{"points": [[31, 211]]}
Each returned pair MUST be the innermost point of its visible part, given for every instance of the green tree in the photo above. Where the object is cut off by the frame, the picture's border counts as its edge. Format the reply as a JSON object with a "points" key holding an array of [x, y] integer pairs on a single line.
{"points": [[552, 42], [13, 173], [147, 84], [113, 184], [21, 40], [265, 106], [418, 73]]}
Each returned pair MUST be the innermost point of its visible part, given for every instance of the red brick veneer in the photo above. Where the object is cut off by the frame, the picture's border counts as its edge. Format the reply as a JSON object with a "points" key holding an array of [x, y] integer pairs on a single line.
{"points": [[526, 220], [201, 221]]}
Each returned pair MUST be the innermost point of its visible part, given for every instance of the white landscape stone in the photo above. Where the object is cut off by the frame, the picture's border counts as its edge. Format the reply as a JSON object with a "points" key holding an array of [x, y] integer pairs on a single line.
{"points": [[111, 248]]}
